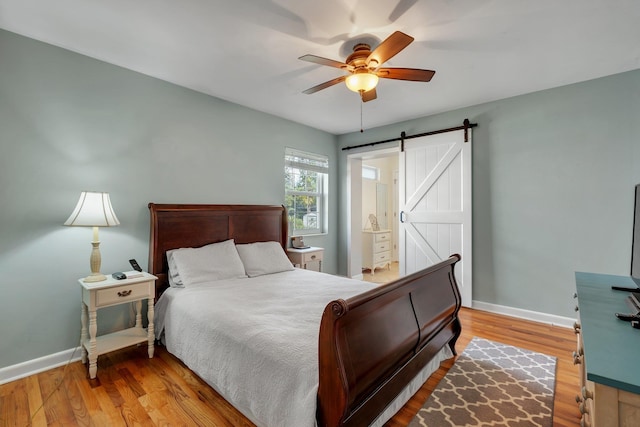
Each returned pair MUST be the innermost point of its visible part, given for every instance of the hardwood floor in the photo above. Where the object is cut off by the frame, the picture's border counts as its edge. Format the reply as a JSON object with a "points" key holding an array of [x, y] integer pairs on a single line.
{"points": [[132, 389], [382, 275]]}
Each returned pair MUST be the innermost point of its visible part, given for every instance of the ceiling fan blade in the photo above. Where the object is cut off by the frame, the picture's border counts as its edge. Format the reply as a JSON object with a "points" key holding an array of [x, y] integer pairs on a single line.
{"points": [[324, 85], [412, 74], [324, 61], [388, 48], [400, 9], [369, 95]]}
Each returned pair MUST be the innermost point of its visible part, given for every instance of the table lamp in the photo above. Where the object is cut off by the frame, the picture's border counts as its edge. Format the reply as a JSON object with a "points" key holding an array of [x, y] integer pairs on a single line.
{"points": [[93, 210]]}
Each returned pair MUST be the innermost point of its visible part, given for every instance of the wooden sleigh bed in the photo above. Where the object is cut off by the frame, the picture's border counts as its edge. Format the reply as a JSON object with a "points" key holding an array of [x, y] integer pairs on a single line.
{"points": [[359, 373]]}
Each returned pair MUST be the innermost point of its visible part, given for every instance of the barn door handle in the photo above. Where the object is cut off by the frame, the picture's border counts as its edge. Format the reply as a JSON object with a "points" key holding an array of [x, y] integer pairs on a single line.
{"points": [[402, 216]]}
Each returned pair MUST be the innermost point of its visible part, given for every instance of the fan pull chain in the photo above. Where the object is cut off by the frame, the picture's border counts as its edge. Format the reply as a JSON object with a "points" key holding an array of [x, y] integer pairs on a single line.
{"points": [[361, 127]]}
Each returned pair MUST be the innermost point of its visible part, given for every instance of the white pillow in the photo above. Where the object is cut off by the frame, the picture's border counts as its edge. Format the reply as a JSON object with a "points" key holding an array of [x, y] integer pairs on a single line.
{"points": [[263, 258], [175, 281], [216, 261]]}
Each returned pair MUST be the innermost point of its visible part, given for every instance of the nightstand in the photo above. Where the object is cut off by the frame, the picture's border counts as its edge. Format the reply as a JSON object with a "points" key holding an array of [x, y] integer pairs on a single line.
{"points": [[108, 293], [302, 257]]}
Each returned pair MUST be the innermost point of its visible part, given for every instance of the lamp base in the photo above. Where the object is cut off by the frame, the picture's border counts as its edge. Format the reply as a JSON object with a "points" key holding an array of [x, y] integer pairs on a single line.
{"points": [[95, 277], [95, 260]]}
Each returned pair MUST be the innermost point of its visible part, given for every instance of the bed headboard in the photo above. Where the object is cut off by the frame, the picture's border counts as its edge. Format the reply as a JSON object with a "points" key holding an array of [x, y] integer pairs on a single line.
{"points": [[180, 226]]}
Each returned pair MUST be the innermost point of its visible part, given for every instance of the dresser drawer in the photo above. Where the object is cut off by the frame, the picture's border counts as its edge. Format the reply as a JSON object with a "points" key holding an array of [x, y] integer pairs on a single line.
{"points": [[381, 257], [382, 237], [381, 247], [120, 294]]}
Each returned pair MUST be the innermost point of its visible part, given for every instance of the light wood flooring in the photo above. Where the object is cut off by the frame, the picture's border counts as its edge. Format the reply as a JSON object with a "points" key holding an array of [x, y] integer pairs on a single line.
{"points": [[382, 275], [132, 389]]}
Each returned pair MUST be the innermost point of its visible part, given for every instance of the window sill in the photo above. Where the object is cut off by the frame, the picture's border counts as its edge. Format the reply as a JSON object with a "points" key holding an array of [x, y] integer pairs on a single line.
{"points": [[308, 235]]}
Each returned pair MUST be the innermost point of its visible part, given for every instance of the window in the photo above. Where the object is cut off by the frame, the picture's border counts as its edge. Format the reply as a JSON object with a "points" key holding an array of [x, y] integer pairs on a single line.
{"points": [[370, 172], [306, 182]]}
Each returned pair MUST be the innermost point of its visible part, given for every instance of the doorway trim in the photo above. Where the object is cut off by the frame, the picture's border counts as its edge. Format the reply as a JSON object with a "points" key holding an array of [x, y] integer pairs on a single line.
{"points": [[354, 213]]}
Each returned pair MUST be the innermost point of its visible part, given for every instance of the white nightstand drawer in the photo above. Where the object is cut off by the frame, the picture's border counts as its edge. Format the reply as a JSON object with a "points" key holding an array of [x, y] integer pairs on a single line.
{"points": [[382, 256], [120, 294], [381, 247], [382, 237], [312, 256]]}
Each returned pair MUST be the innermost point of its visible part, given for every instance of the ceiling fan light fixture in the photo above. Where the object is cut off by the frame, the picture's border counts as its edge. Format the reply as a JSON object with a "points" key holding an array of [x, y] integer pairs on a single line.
{"points": [[361, 82]]}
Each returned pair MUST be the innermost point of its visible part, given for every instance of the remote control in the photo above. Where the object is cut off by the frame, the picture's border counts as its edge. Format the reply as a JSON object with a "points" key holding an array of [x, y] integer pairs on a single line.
{"points": [[628, 317], [135, 265]]}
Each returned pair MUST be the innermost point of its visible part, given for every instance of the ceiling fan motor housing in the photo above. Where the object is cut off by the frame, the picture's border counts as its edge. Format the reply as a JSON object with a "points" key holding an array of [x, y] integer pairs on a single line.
{"points": [[358, 58]]}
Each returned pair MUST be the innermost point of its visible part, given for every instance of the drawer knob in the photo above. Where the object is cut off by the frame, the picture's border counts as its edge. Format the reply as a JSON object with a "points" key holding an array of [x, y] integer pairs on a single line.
{"points": [[313, 257], [124, 293]]}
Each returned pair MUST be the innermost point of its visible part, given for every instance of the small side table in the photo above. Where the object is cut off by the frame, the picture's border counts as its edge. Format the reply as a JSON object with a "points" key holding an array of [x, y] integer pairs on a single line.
{"points": [[302, 257], [107, 293]]}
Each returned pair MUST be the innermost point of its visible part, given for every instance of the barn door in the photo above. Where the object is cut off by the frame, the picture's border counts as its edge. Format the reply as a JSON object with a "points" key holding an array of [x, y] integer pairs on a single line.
{"points": [[435, 204]]}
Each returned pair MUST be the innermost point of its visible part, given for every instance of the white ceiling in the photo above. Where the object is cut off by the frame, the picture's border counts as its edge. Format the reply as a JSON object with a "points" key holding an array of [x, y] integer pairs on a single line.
{"points": [[246, 51]]}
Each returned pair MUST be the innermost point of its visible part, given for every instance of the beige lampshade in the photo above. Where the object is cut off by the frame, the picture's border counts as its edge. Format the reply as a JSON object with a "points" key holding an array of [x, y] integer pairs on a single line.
{"points": [[93, 210]]}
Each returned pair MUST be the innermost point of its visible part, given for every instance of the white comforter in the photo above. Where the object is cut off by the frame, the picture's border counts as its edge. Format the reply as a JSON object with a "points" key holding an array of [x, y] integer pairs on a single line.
{"points": [[255, 340]]}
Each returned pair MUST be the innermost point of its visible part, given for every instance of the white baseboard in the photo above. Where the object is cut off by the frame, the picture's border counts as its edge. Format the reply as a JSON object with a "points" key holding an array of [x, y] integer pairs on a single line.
{"points": [[31, 367], [525, 314], [41, 364]]}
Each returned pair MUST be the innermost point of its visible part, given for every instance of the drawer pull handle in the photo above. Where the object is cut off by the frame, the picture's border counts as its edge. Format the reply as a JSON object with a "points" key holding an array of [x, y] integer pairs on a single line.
{"points": [[313, 257], [124, 293]]}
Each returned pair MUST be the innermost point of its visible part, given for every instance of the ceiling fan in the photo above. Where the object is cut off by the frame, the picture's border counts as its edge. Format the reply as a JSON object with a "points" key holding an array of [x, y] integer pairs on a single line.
{"points": [[364, 68]]}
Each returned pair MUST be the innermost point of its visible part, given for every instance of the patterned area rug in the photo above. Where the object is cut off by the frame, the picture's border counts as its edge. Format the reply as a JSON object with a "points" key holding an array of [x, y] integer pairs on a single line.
{"points": [[493, 384]]}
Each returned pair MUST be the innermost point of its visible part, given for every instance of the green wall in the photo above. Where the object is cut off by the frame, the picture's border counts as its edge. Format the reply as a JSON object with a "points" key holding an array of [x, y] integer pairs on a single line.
{"points": [[69, 123], [553, 174], [553, 179]]}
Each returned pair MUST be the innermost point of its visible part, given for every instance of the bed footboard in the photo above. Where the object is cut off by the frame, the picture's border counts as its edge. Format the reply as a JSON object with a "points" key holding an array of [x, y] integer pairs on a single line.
{"points": [[372, 345]]}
